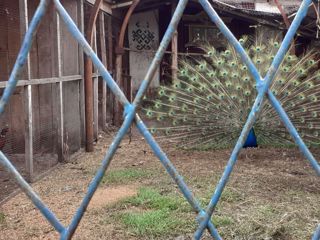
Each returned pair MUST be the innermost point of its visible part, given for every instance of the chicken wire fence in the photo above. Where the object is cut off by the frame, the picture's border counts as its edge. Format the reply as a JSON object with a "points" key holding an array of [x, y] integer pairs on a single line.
{"points": [[204, 215], [42, 148]]}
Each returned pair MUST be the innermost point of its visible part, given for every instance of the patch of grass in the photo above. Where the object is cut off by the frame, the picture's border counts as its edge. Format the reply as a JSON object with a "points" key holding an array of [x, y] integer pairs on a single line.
{"points": [[151, 222], [221, 221], [125, 175], [151, 198], [2, 218], [158, 214]]}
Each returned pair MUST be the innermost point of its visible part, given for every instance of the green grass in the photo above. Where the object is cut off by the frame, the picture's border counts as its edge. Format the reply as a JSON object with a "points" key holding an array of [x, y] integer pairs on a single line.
{"points": [[151, 222], [151, 198], [125, 175], [154, 214], [2, 218], [157, 214]]}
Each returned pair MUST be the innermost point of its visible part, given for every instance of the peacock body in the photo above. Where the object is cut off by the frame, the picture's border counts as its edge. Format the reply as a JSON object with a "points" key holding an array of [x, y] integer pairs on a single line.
{"points": [[209, 102]]}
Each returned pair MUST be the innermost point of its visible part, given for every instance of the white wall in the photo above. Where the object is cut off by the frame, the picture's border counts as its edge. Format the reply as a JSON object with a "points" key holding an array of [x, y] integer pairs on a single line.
{"points": [[143, 34]]}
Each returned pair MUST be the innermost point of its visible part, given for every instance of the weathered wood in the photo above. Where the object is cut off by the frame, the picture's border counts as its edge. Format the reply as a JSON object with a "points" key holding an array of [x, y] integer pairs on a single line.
{"points": [[102, 39], [59, 96], [174, 47], [89, 101], [69, 46], [23, 6], [110, 96], [81, 82], [44, 81], [29, 134], [95, 93], [104, 6], [95, 108]]}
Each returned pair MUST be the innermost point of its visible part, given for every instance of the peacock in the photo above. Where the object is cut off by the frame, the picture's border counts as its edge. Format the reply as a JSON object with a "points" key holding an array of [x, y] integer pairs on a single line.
{"points": [[207, 105]]}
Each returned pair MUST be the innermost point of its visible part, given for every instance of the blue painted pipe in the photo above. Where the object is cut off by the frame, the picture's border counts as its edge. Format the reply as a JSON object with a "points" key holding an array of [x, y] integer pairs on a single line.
{"points": [[256, 107]]}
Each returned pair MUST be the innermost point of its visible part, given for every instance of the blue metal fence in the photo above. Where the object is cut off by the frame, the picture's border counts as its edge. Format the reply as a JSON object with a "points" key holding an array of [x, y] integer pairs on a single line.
{"points": [[130, 115]]}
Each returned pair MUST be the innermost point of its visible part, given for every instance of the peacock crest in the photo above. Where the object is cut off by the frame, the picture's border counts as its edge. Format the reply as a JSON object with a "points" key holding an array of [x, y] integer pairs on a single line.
{"points": [[209, 102]]}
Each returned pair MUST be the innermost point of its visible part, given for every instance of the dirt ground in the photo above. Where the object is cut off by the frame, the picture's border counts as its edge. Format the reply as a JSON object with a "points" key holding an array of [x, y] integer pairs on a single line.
{"points": [[261, 177]]}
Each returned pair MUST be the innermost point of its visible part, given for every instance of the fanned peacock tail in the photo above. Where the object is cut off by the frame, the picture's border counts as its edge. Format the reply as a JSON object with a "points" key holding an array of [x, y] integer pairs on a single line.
{"points": [[209, 102]]}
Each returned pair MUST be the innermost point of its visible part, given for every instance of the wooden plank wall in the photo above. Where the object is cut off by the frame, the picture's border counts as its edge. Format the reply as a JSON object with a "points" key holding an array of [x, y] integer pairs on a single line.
{"points": [[71, 90], [45, 62], [9, 47]]}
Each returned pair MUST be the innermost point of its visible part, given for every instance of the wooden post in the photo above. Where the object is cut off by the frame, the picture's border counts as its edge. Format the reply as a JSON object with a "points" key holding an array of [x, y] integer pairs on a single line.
{"points": [[174, 47], [102, 39], [111, 98], [95, 93], [28, 97], [89, 101], [59, 96], [81, 66]]}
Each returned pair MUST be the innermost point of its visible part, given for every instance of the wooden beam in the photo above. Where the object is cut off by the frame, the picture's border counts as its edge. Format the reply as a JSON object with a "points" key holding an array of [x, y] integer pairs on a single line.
{"points": [[95, 92], [81, 83], [106, 7], [59, 96], [102, 39], [174, 47], [24, 22], [110, 95], [44, 81]]}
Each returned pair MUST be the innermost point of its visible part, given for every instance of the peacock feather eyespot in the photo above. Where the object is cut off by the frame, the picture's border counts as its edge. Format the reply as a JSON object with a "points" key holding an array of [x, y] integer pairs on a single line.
{"points": [[171, 113], [153, 130], [149, 113], [235, 75], [316, 133], [244, 68], [313, 98], [285, 69], [276, 44], [160, 118], [196, 100], [314, 114], [221, 96], [172, 98], [295, 83], [162, 92], [311, 62], [185, 119], [168, 131], [227, 52], [239, 87], [157, 104], [190, 89], [310, 125]]}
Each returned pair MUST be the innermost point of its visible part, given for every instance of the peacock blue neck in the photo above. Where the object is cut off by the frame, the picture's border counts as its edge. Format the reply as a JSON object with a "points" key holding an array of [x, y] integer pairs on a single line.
{"points": [[251, 140]]}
